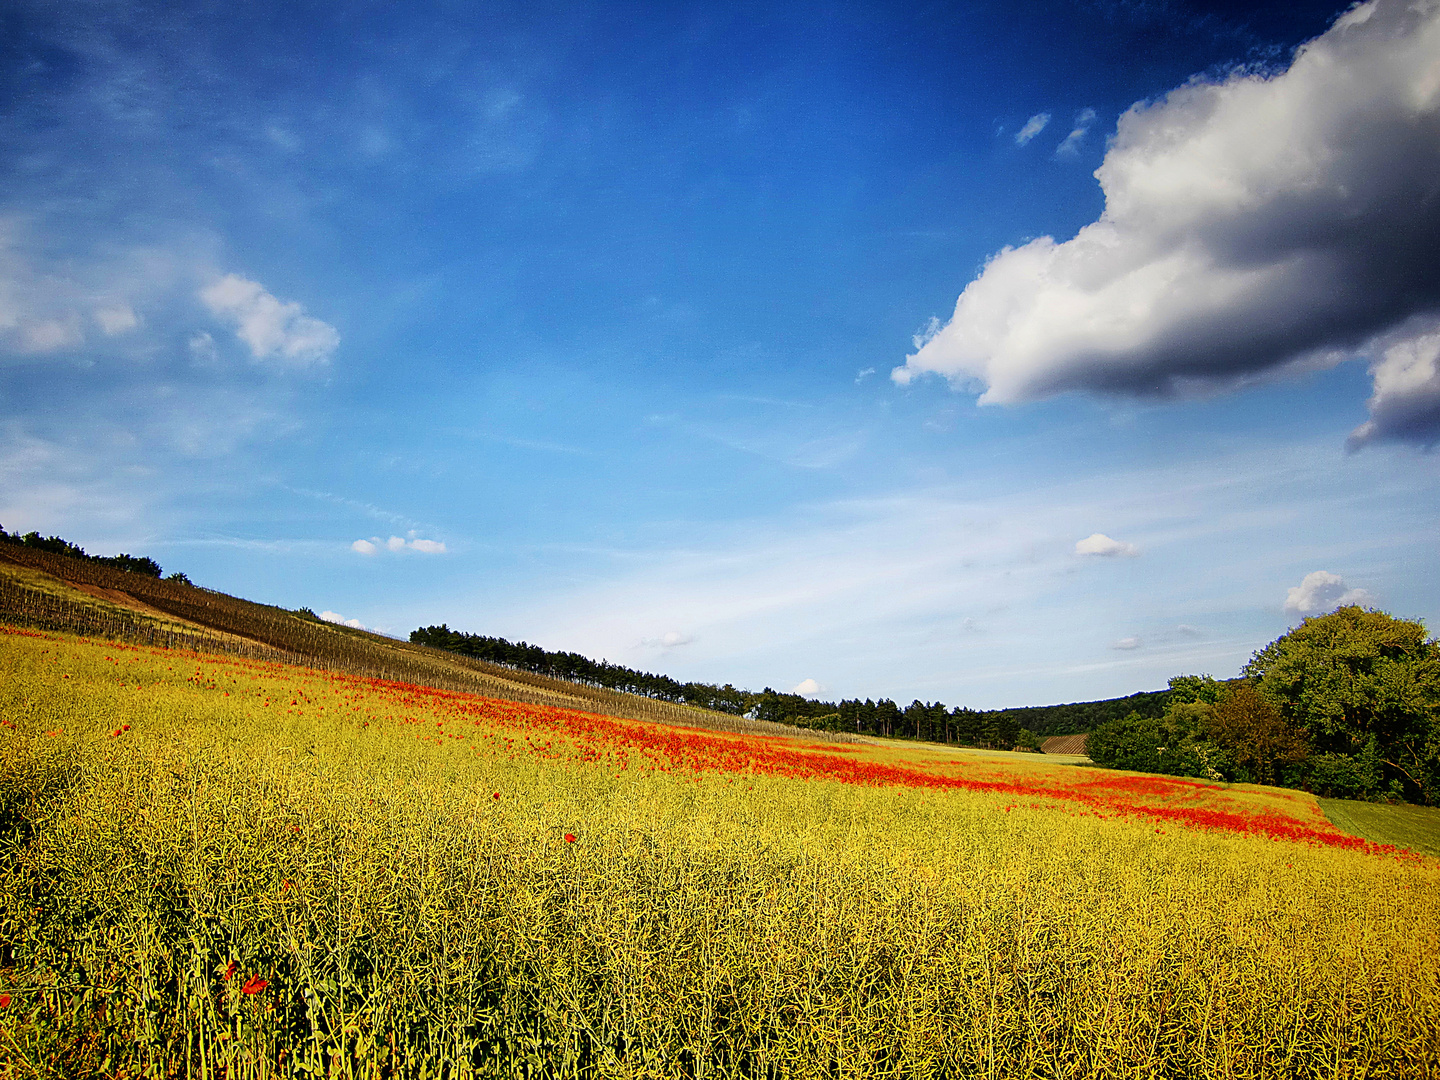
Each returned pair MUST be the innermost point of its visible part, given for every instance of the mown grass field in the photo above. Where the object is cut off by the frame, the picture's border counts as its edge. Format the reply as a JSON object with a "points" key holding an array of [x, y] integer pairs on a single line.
{"points": [[1414, 827], [219, 867]]}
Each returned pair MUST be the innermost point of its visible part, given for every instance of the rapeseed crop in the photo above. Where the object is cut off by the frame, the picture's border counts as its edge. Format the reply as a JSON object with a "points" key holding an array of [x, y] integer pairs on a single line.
{"points": [[218, 867]]}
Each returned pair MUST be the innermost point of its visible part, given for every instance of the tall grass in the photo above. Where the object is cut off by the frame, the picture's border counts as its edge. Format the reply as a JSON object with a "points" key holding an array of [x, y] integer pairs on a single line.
{"points": [[342, 842]]}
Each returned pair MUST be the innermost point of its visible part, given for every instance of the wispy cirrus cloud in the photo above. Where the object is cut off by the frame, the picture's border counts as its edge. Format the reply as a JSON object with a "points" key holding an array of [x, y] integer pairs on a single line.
{"points": [[1034, 126], [1070, 146], [884, 595]]}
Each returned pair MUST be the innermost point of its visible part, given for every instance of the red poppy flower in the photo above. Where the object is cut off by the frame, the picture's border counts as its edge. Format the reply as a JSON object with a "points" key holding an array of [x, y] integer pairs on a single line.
{"points": [[569, 838], [234, 967], [254, 985], [496, 795], [4, 1001]]}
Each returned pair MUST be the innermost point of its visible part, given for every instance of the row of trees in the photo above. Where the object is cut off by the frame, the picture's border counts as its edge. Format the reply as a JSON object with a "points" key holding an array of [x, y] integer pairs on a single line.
{"points": [[1346, 705], [930, 721], [135, 564]]}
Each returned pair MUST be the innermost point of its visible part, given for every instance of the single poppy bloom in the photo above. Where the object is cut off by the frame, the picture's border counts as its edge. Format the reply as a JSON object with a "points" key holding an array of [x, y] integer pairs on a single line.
{"points": [[4, 1001], [496, 795], [569, 838], [254, 985], [234, 967]]}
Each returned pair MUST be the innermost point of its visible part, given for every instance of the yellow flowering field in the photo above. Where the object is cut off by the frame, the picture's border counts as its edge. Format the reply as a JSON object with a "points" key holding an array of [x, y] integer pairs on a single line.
{"points": [[214, 867]]}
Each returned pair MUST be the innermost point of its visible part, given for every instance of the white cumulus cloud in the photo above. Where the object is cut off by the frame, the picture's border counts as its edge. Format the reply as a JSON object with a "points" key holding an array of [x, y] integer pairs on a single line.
{"points": [[336, 617], [1405, 404], [808, 688], [1127, 644], [272, 328], [1033, 127], [375, 544], [116, 319], [1254, 224], [1105, 547], [1322, 591]]}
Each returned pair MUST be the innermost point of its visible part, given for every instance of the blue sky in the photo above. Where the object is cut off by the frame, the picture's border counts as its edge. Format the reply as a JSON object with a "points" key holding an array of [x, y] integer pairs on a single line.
{"points": [[633, 329]]}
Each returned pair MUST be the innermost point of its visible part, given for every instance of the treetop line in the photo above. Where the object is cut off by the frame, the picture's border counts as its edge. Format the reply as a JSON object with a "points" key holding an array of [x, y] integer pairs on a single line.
{"points": [[135, 564], [935, 722]]}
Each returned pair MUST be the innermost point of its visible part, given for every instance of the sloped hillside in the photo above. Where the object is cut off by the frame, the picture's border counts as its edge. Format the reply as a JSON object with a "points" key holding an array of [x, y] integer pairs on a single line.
{"points": [[43, 589]]}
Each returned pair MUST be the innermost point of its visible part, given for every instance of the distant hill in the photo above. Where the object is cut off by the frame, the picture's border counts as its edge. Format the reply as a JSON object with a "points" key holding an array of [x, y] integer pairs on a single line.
{"points": [[43, 588]]}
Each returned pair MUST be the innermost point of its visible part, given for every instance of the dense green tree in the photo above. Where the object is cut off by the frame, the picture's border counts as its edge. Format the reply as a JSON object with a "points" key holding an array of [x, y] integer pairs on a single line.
{"points": [[1199, 689], [992, 728], [1253, 732], [1175, 743], [56, 545], [1365, 688]]}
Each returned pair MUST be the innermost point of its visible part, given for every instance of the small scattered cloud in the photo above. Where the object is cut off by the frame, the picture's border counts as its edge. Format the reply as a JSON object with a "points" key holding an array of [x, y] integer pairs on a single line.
{"points": [[1186, 630], [863, 374], [1127, 644], [1105, 547], [1070, 147], [116, 319], [50, 334], [808, 688], [1322, 591], [272, 328], [1255, 225], [673, 639], [203, 351], [1033, 127], [341, 620], [376, 544]]}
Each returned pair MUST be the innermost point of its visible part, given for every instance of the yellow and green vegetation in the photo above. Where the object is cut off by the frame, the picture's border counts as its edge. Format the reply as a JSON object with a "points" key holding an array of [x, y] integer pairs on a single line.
{"points": [[215, 866]]}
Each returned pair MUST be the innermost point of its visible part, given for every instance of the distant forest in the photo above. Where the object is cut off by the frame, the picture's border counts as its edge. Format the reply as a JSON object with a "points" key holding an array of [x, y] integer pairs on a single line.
{"points": [[933, 722], [58, 546]]}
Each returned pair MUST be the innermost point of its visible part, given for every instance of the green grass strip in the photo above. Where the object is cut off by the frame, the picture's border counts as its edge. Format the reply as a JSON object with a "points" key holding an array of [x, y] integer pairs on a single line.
{"points": [[1413, 827]]}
